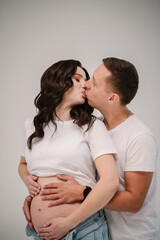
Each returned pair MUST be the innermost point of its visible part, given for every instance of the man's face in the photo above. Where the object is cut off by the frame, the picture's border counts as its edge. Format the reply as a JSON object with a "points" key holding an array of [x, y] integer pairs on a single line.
{"points": [[96, 88]]}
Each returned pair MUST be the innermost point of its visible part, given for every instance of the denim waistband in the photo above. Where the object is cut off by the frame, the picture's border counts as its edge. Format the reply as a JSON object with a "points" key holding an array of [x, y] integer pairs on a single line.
{"points": [[88, 225]]}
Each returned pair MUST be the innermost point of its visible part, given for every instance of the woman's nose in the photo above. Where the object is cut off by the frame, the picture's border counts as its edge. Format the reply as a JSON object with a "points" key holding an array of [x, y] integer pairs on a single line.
{"points": [[83, 84], [87, 84]]}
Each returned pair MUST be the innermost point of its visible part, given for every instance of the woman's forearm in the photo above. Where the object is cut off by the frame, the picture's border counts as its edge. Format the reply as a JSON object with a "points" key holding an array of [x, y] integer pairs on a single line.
{"points": [[97, 199], [23, 172]]}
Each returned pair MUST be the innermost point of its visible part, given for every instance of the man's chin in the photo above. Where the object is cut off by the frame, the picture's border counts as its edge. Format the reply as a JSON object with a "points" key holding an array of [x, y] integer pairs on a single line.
{"points": [[91, 103]]}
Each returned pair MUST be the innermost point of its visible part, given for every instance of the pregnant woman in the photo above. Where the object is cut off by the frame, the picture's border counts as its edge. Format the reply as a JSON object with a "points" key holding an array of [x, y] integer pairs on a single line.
{"points": [[65, 138]]}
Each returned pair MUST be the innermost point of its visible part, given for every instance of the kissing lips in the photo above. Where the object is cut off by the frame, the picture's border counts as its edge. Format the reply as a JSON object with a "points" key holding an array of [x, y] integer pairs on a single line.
{"points": [[84, 94]]}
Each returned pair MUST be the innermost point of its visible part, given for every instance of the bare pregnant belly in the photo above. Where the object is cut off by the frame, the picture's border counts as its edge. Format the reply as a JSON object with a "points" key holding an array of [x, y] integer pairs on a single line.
{"points": [[41, 213]]}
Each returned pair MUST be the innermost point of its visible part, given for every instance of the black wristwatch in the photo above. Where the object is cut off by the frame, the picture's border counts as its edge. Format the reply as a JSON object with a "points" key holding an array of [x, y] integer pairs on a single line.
{"points": [[86, 192]]}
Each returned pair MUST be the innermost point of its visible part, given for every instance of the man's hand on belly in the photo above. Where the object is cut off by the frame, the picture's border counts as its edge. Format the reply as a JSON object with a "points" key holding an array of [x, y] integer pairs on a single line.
{"points": [[26, 210], [65, 191]]}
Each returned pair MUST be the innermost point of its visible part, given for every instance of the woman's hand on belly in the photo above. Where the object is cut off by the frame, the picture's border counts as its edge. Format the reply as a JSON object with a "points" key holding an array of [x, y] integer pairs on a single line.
{"points": [[26, 210], [66, 191], [41, 213], [32, 185], [54, 229]]}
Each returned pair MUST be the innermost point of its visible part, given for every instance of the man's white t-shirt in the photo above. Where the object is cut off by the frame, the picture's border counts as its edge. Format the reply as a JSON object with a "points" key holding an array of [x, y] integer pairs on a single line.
{"points": [[136, 151], [69, 150]]}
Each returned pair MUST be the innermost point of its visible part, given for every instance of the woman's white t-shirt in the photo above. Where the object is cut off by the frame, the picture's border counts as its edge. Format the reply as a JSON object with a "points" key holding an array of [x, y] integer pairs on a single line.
{"points": [[69, 150]]}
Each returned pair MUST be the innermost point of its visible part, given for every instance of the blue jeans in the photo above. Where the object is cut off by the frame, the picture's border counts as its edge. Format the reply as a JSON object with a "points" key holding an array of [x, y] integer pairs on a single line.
{"points": [[93, 228]]}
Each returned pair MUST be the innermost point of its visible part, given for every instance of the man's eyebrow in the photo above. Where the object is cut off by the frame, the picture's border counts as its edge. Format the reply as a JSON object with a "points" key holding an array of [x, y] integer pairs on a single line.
{"points": [[80, 75]]}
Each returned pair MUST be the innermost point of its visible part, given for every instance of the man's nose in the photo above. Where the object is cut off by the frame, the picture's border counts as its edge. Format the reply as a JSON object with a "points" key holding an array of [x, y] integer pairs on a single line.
{"points": [[87, 84]]}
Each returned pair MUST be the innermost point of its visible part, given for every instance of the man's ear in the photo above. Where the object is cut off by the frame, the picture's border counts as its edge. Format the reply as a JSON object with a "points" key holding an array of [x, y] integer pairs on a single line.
{"points": [[114, 98]]}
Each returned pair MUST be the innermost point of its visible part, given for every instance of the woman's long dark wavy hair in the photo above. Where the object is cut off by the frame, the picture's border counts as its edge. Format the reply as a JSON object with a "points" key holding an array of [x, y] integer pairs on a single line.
{"points": [[55, 81]]}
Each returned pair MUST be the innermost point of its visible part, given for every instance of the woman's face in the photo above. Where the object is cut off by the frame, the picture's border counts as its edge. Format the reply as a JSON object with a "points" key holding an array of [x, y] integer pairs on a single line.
{"points": [[76, 94]]}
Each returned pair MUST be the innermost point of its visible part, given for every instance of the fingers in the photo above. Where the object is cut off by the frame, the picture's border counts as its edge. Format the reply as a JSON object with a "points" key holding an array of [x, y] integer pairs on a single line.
{"points": [[34, 189], [45, 232], [56, 202], [43, 235], [45, 228], [52, 185], [34, 183], [33, 193], [49, 191], [30, 224], [28, 200], [26, 208], [35, 178], [51, 197], [64, 177], [26, 212]]}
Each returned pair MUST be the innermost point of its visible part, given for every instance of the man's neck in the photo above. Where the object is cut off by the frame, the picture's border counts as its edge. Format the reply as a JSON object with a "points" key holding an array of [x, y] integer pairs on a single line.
{"points": [[115, 117]]}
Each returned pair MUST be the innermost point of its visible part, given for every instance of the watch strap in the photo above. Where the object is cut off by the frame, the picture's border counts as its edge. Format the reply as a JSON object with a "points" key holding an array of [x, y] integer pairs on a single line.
{"points": [[86, 192]]}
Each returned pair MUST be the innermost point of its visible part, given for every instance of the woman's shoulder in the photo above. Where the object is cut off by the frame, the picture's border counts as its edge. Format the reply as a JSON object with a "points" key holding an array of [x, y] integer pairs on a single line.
{"points": [[98, 122], [97, 125]]}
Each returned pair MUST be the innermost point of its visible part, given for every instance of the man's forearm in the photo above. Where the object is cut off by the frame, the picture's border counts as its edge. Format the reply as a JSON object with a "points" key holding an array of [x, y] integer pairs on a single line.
{"points": [[136, 187], [124, 201]]}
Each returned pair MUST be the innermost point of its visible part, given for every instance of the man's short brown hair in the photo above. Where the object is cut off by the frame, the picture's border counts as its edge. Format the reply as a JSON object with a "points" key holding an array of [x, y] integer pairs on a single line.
{"points": [[124, 79]]}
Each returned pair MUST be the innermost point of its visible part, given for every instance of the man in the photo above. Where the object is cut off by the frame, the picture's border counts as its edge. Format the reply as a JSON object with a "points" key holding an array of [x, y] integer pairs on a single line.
{"points": [[132, 211]]}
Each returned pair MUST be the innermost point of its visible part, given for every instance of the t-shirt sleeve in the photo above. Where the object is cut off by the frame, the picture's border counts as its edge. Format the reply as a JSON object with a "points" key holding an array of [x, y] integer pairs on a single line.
{"points": [[142, 154], [100, 142]]}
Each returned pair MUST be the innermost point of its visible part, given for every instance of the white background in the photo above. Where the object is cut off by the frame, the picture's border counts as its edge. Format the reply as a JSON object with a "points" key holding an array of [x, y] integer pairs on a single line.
{"points": [[37, 33]]}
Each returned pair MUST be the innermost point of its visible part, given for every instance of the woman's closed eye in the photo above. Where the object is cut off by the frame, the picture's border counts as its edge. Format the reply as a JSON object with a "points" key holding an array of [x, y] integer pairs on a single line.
{"points": [[77, 80]]}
